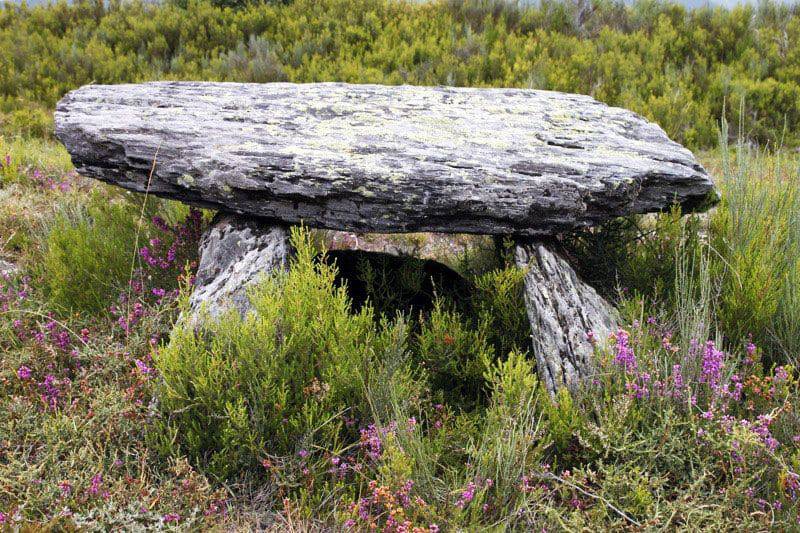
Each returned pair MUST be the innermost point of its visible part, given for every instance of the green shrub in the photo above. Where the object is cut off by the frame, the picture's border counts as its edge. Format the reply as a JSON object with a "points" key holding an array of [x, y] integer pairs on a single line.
{"points": [[499, 302], [675, 66], [280, 378], [755, 234], [456, 352], [92, 252], [89, 254]]}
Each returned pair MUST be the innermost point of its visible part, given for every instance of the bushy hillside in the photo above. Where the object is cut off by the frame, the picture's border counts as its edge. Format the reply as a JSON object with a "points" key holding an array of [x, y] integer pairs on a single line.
{"points": [[679, 68], [337, 409]]}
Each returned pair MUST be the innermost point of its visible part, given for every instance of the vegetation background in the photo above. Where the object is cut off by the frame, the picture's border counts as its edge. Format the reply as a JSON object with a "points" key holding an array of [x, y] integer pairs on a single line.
{"points": [[322, 412]]}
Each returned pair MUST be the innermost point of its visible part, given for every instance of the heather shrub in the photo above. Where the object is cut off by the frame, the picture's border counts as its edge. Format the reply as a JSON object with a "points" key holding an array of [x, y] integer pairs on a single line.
{"points": [[94, 253], [497, 303], [755, 233], [281, 378], [88, 254], [456, 353]]}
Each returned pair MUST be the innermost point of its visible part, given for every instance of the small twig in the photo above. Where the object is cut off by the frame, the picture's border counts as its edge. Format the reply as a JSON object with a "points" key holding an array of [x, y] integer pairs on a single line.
{"points": [[139, 227], [591, 495]]}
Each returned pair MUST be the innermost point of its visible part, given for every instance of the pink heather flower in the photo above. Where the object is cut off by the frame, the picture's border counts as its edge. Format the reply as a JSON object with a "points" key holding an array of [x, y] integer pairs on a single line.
{"points": [[467, 496], [24, 373], [159, 292], [623, 353], [712, 365], [3, 517], [303, 454], [172, 517], [142, 367], [97, 481], [433, 528], [781, 374], [349, 523]]}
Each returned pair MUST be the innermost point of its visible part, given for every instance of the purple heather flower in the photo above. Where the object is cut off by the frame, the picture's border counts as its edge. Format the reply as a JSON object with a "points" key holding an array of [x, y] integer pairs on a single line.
{"points": [[142, 367], [466, 496], [97, 481], [65, 487], [623, 353], [172, 517], [24, 373], [712, 364]]}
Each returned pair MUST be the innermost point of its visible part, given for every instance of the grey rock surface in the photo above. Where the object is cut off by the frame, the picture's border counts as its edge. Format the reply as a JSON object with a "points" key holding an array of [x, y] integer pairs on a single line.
{"points": [[234, 252], [375, 158], [563, 312]]}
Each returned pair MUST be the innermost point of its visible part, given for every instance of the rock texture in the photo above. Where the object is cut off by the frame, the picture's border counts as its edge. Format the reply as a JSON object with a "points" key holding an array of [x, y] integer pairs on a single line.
{"points": [[234, 252], [563, 312], [382, 159]]}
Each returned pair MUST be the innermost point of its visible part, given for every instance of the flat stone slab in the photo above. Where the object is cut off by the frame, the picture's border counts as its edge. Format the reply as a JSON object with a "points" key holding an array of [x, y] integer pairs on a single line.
{"points": [[375, 158]]}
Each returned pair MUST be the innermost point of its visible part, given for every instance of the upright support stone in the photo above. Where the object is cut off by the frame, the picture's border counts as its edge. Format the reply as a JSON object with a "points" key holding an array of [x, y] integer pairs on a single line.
{"points": [[562, 310], [234, 251]]}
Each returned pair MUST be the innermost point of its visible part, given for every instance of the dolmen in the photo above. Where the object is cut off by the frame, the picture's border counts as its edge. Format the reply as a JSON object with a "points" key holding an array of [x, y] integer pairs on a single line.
{"points": [[526, 164]]}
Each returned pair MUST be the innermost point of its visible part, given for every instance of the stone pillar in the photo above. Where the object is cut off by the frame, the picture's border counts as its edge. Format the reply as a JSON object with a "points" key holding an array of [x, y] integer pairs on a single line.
{"points": [[234, 251], [562, 311]]}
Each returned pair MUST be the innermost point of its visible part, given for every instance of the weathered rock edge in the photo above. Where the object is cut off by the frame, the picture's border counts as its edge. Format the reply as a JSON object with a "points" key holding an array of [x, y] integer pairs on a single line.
{"points": [[563, 311], [375, 158]]}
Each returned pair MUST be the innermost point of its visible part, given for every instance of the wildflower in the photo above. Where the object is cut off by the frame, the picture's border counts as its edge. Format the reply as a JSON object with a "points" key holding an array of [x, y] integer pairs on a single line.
{"points": [[24, 373], [97, 481], [172, 517], [159, 292], [3, 517], [623, 353], [466, 496], [712, 364], [142, 367], [65, 487], [51, 393], [303, 454]]}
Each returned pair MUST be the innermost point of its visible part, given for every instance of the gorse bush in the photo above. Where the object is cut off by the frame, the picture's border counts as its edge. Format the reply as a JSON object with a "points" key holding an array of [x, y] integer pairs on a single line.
{"points": [[675, 66]]}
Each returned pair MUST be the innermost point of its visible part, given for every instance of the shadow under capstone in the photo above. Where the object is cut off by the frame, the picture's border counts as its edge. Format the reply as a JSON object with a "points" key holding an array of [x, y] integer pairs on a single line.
{"points": [[394, 283]]}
